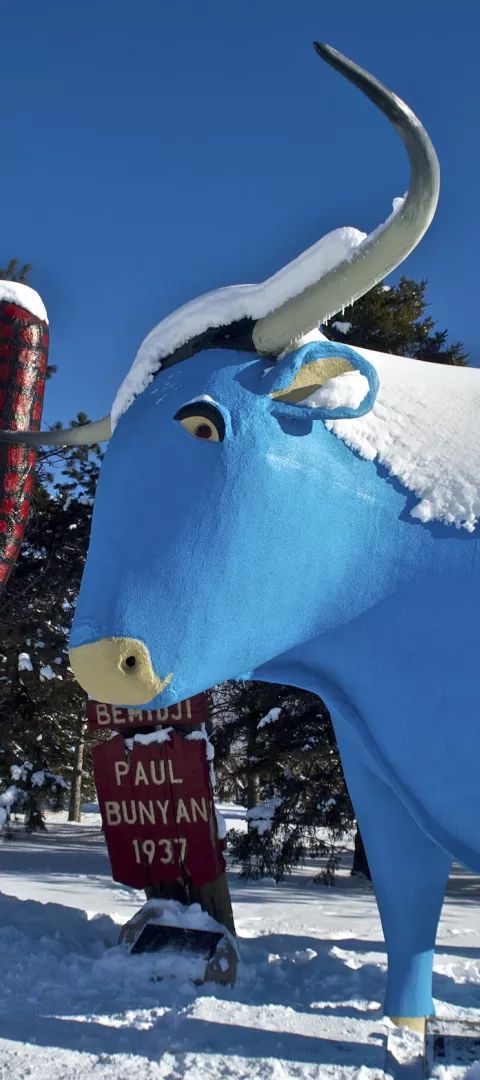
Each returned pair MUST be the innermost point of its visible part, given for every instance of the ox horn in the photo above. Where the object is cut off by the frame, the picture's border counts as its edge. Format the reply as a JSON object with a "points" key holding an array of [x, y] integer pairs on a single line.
{"points": [[382, 251], [385, 248], [84, 435]]}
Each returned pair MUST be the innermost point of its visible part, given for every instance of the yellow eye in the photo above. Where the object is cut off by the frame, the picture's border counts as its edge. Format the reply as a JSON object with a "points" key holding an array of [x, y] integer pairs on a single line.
{"points": [[201, 428], [202, 420]]}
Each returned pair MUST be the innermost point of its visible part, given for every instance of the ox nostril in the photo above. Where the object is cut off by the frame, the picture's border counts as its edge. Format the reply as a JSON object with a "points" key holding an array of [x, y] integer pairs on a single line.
{"points": [[130, 662]]}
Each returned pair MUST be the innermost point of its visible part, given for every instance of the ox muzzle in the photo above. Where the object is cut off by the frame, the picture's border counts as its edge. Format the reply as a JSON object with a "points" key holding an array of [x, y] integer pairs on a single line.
{"points": [[117, 670]]}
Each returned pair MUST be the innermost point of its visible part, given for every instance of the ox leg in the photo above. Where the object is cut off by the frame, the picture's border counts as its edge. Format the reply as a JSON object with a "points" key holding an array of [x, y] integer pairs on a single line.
{"points": [[409, 874]]}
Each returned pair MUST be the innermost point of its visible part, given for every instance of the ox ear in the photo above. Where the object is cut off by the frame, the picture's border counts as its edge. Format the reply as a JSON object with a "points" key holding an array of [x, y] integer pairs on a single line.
{"points": [[325, 381]]}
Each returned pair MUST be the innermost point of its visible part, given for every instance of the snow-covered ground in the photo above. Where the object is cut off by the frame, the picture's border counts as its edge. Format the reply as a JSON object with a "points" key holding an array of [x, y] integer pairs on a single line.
{"points": [[306, 1005]]}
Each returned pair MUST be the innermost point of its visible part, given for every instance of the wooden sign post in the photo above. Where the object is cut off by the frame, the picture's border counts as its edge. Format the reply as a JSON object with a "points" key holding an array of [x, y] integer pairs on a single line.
{"points": [[156, 800]]}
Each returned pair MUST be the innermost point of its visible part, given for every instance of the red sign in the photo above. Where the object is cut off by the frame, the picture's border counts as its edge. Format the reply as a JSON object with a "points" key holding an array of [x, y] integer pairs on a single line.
{"points": [[192, 711], [157, 809]]}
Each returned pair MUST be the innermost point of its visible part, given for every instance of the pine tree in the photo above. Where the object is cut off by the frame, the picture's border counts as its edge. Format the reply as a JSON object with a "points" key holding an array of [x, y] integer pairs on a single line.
{"points": [[393, 319], [14, 272], [275, 746], [42, 707]]}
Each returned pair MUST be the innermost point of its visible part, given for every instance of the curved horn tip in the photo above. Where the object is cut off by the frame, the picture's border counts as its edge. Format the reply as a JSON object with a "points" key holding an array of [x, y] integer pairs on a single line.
{"points": [[323, 49], [385, 248], [333, 56]]}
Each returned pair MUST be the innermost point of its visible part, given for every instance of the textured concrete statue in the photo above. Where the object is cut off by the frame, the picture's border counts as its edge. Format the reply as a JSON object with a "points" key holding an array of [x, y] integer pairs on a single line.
{"points": [[306, 513]]}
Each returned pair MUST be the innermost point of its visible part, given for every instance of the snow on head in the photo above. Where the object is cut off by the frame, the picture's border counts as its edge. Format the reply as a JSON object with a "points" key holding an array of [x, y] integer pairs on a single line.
{"points": [[423, 428], [22, 295], [348, 389], [224, 306]]}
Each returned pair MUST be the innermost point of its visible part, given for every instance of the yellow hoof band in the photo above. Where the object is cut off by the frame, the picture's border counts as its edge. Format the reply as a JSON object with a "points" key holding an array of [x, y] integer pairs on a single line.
{"points": [[414, 1023]]}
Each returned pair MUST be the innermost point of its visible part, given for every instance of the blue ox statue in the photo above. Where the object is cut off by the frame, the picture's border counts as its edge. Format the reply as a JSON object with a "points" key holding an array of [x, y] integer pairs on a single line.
{"points": [[305, 513]]}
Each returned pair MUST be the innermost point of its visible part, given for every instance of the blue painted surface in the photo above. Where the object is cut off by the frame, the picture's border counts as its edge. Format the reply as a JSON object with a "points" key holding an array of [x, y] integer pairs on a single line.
{"points": [[280, 554]]}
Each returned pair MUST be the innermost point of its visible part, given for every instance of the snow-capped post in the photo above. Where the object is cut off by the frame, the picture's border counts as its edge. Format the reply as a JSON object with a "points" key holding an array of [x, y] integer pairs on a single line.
{"points": [[23, 369], [154, 780]]}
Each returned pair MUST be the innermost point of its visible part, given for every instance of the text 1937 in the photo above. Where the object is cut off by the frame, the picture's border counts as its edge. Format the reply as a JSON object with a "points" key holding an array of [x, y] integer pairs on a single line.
{"points": [[166, 850]]}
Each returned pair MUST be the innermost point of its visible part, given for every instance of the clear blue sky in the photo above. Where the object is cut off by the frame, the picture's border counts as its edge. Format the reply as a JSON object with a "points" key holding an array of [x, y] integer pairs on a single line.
{"points": [[156, 149]]}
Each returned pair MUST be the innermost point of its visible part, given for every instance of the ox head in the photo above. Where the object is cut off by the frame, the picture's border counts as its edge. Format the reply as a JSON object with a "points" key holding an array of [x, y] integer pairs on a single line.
{"points": [[221, 512], [209, 556]]}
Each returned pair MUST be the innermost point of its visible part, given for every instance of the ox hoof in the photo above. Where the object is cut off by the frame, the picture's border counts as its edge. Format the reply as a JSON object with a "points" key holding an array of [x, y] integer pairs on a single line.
{"points": [[414, 1023]]}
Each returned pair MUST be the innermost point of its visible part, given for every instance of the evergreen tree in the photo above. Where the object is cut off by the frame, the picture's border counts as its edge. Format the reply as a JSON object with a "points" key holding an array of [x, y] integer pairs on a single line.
{"points": [[393, 319], [14, 272], [274, 745], [42, 707]]}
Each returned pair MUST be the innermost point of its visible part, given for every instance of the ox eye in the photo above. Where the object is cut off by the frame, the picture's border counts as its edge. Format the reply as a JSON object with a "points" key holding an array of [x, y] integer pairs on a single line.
{"points": [[202, 420]]}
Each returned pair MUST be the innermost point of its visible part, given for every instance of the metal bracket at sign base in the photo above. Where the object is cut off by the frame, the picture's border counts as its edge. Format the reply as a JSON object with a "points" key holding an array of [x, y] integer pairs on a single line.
{"points": [[178, 938]]}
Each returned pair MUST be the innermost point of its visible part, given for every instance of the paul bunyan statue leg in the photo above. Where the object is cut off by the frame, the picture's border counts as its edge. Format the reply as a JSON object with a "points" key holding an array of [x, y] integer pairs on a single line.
{"points": [[409, 874]]}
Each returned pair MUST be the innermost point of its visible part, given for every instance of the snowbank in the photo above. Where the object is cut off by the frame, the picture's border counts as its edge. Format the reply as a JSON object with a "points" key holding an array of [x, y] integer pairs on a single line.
{"points": [[306, 1004]]}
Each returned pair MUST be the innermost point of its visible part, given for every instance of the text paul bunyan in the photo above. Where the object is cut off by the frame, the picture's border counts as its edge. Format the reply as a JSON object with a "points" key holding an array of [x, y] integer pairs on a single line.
{"points": [[153, 811]]}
